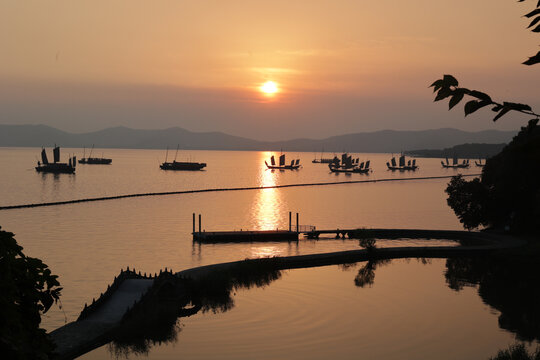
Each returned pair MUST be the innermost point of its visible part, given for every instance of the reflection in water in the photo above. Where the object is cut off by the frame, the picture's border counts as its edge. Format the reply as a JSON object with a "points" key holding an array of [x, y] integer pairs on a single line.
{"points": [[508, 283], [56, 183], [509, 288], [267, 206], [154, 320], [265, 251]]}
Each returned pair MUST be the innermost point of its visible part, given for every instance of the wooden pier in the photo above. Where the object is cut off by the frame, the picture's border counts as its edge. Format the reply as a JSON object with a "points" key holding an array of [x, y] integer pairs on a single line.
{"points": [[291, 234], [311, 232]]}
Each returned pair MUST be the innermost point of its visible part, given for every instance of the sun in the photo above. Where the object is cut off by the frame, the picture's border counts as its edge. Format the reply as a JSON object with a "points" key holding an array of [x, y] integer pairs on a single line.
{"points": [[269, 88]]}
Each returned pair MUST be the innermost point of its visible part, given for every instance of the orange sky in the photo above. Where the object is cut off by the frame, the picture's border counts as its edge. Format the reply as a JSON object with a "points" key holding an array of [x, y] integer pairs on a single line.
{"points": [[343, 66]]}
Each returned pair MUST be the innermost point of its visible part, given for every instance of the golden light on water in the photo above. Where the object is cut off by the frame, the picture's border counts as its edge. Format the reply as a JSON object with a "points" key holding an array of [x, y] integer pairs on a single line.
{"points": [[269, 88], [267, 204]]}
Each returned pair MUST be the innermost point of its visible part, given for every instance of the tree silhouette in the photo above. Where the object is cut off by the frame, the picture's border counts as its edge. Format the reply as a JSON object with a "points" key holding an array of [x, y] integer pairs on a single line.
{"points": [[27, 290], [508, 193]]}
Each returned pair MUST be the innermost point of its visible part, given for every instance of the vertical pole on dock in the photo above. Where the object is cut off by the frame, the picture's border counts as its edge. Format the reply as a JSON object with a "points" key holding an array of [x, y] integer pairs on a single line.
{"points": [[297, 224], [199, 222], [290, 219], [193, 223]]}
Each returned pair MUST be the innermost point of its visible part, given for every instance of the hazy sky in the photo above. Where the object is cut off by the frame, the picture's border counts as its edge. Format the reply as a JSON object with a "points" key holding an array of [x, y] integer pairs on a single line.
{"points": [[341, 66]]}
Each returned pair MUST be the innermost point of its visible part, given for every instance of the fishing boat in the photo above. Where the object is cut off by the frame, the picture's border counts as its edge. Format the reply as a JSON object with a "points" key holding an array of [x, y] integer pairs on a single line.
{"points": [[479, 163], [404, 165], [93, 160], [362, 168], [455, 163], [180, 165], [321, 160], [294, 165], [55, 167], [346, 162]]}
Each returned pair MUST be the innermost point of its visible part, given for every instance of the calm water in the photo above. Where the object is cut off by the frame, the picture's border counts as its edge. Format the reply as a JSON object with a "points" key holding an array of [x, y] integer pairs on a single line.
{"points": [[87, 244]]}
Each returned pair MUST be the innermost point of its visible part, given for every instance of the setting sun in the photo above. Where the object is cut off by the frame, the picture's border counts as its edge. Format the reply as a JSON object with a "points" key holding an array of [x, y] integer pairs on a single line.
{"points": [[269, 88]]}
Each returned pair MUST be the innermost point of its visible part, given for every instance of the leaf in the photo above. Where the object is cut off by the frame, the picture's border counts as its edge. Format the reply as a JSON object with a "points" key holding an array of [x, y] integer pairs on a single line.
{"points": [[455, 99], [480, 95], [443, 94], [450, 80], [533, 59], [437, 85], [501, 113], [537, 19], [473, 105], [532, 13]]}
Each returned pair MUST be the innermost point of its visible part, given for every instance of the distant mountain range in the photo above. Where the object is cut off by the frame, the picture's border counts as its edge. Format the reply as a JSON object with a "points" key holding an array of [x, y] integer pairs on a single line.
{"points": [[461, 151], [123, 137]]}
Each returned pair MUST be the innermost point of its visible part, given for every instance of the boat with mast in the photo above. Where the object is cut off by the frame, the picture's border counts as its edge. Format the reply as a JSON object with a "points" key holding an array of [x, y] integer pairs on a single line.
{"points": [[180, 165], [56, 166], [321, 160], [346, 162], [294, 165], [404, 165], [358, 168], [479, 163], [94, 160], [455, 163], [349, 165]]}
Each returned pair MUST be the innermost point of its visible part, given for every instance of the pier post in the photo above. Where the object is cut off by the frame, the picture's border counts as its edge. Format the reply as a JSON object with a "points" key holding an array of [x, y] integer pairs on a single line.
{"points": [[297, 224], [290, 219], [199, 222], [193, 223]]}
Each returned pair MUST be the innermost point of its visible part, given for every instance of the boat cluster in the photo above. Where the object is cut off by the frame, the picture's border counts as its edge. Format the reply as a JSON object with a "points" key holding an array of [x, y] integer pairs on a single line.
{"points": [[69, 168], [404, 165], [344, 165], [58, 167]]}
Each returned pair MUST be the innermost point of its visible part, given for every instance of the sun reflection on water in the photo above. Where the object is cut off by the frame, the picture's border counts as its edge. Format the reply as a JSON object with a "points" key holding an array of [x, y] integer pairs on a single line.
{"points": [[265, 251], [267, 204]]}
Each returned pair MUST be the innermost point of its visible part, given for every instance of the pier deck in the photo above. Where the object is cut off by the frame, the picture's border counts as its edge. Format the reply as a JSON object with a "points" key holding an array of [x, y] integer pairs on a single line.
{"points": [[311, 232], [245, 236]]}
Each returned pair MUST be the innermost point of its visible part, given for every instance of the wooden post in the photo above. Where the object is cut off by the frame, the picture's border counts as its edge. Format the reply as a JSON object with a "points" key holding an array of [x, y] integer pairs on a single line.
{"points": [[290, 219], [193, 223], [199, 222], [297, 224]]}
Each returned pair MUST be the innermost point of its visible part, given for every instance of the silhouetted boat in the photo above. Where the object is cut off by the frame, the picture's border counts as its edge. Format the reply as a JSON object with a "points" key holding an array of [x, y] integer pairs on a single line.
{"points": [[294, 165], [321, 160], [403, 164], [362, 168], [455, 164], [180, 165], [56, 167], [346, 162], [93, 160], [479, 163]]}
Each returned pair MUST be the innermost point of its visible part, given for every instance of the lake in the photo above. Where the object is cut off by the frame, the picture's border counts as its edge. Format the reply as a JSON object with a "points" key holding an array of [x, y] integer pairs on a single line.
{"points": [[408, 312]]}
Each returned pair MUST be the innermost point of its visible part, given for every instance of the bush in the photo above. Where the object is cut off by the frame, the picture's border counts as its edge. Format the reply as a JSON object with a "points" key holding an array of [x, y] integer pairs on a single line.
{"points": [[27, 290], [517, 352]]}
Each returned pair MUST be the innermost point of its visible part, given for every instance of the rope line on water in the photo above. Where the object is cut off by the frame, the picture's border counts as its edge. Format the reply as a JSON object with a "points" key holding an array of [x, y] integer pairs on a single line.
{"points": [[9, 207]]}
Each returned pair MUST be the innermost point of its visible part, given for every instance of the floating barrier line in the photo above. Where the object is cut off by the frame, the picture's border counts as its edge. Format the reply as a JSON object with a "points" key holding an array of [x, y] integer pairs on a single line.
{"points": [[9, 207]]}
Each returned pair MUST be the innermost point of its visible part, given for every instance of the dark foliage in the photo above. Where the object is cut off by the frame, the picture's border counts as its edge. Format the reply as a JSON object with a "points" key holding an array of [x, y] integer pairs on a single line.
{"points": [[469, 201], [27, 290], [517, 352], [448, 87], [508, 193]]}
